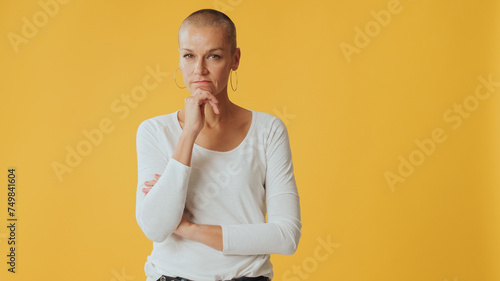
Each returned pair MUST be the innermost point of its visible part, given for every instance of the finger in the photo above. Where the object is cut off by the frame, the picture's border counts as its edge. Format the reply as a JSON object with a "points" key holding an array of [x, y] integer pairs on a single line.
{"points": [[207, 97], [202, 94], [215, 107], [157, 176], [202, 98], [146, 190], [150, 183]]}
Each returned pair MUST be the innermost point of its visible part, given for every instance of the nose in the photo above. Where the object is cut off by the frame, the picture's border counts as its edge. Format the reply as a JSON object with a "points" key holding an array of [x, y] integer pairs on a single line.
{"points": [[200, 68]]}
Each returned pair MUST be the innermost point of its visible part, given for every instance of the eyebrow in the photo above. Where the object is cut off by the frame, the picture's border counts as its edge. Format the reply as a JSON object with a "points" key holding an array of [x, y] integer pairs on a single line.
{"points": [[211, 50]]}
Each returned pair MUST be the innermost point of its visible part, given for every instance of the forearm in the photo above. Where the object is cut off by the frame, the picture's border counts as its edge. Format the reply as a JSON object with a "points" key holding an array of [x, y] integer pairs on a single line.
{"points": [[280, 235], [184, 149], [159, 212], [210, 235], [249, 239], [260, 239]]}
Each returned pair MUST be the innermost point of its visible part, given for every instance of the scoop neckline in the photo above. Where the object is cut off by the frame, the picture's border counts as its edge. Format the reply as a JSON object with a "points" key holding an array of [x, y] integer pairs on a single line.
{"points": [[178, 125]]}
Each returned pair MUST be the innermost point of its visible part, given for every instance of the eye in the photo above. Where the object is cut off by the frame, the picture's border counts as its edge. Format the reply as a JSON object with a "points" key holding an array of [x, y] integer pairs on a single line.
{"points": [[215, 56], [187, 55]]}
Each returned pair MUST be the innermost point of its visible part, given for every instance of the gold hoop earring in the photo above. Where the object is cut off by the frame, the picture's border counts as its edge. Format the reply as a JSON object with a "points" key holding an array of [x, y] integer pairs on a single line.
{"points": [[175, 80], [231, 79]]}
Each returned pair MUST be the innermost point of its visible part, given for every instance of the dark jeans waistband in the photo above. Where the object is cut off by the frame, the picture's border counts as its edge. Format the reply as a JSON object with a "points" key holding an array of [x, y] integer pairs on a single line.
{"points": [[260, 278]]}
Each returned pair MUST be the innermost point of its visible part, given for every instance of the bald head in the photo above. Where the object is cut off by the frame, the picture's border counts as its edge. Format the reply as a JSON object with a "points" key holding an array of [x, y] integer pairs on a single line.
{"points": [[210, 17]]}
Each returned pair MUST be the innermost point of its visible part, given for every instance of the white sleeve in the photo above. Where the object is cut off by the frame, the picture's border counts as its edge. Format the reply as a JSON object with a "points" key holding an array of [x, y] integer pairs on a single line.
{"points": [[281, 233], [159, 212]]}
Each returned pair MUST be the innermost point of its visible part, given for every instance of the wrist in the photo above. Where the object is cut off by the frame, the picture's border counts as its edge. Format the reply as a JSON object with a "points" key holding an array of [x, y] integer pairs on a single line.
{"points": [[188, 136], [185, 230], [189, 231]]}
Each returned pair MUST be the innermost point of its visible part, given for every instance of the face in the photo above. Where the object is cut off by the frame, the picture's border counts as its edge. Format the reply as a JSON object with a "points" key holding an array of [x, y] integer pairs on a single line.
{"points": [[205, 58]]}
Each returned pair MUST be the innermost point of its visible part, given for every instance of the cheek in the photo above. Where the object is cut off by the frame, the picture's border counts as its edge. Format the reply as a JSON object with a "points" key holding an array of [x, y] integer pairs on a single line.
{"points": [[221, 76], [186, 71]]}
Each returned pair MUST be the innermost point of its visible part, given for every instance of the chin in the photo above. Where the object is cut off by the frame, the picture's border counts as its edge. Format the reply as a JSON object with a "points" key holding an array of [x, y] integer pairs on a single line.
{"points": [[205, 88]]}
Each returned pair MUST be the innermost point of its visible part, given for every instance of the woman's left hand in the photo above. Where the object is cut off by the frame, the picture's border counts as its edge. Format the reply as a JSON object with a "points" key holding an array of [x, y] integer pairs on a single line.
{"points": [[150, 184]]}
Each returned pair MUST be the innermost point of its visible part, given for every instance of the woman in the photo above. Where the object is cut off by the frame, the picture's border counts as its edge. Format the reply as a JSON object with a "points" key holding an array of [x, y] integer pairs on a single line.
{"points": [[222, 168]]}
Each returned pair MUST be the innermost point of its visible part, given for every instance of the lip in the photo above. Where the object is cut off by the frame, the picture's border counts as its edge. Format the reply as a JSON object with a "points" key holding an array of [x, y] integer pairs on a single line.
{"points": [[202, 82]]}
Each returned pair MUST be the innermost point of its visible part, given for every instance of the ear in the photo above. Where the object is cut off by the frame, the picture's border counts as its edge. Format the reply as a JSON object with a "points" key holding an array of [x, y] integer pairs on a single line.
{"points": [[236, 57]]}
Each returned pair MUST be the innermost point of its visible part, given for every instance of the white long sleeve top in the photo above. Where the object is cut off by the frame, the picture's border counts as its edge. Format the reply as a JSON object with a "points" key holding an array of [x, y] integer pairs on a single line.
{"points": [[234, 189]]}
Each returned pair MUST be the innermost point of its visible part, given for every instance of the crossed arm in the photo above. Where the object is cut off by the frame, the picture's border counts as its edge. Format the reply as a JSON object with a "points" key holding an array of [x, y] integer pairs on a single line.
{"points": [[280, 235], [210, 235]]}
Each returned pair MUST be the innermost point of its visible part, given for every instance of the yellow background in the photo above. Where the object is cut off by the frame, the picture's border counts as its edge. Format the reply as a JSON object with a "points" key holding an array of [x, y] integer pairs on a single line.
{"points": [[349, 122]]}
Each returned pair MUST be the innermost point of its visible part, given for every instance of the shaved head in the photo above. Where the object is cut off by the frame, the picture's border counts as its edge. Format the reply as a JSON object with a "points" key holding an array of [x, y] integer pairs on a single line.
{"points": [[214, 18]]}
